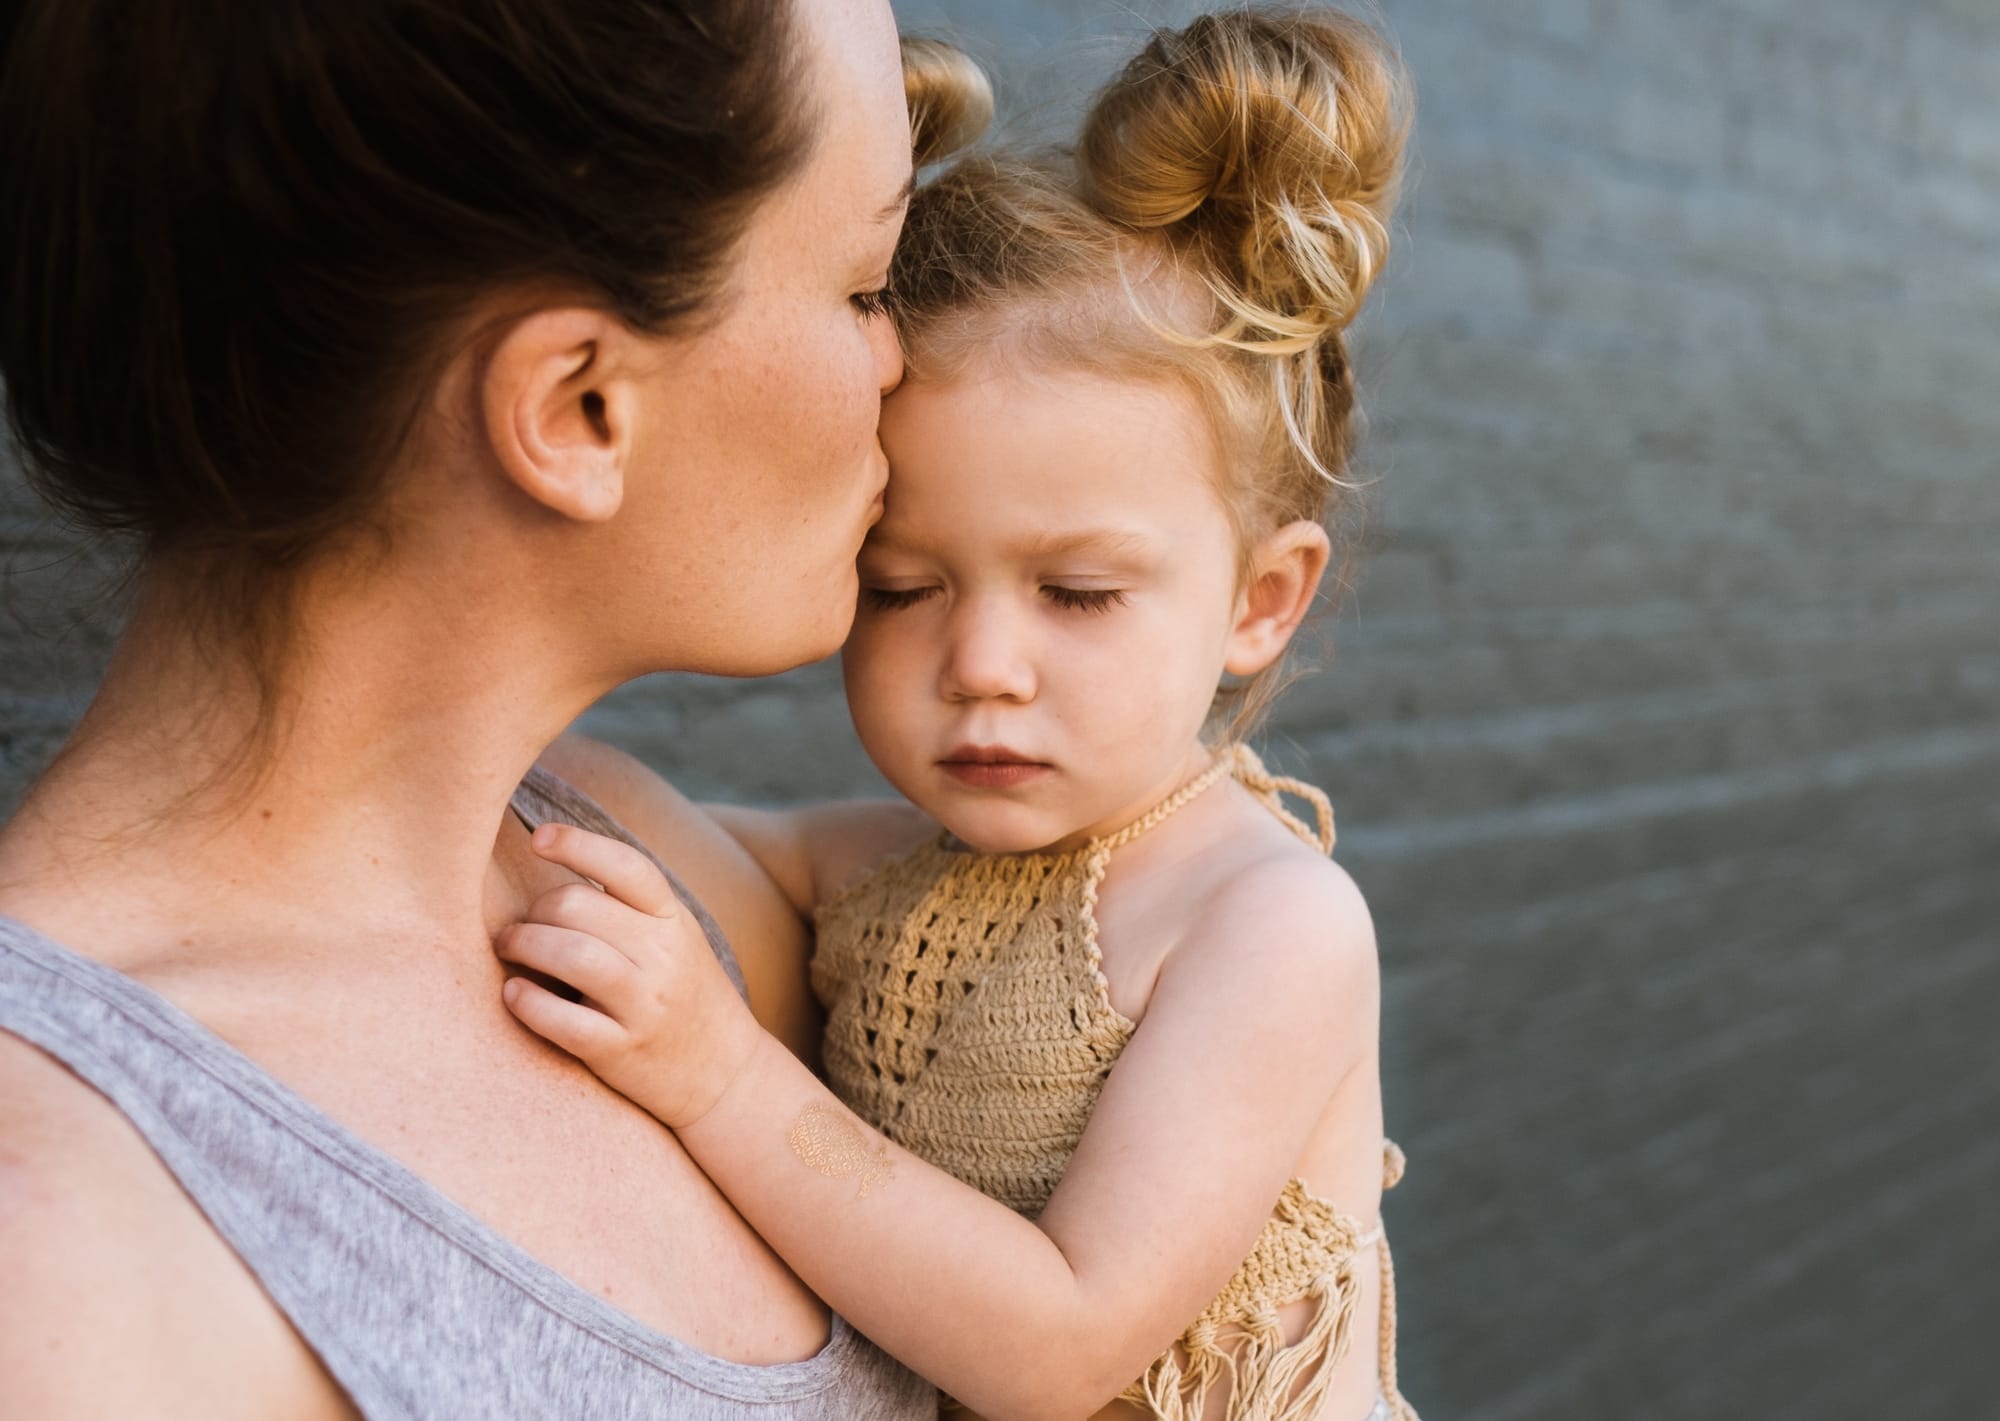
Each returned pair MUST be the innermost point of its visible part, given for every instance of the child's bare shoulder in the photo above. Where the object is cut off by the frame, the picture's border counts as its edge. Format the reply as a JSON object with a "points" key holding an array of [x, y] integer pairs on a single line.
{"points": [[1291, 928], [1288, 901]]}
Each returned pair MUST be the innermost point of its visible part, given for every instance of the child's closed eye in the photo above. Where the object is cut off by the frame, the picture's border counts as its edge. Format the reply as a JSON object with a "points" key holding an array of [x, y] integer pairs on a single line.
{"points": [[892, 599], [1084, 599]]}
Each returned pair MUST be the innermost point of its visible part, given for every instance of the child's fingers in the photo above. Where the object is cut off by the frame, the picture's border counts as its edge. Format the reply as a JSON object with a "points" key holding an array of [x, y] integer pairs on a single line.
{"points": [[586, 1034], [591, 965], [584, 909], [627, 874]]}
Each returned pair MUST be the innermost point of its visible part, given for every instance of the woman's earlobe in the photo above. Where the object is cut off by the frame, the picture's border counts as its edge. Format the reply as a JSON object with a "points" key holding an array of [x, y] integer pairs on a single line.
{"points": [[557, 413], [1284, 577]]}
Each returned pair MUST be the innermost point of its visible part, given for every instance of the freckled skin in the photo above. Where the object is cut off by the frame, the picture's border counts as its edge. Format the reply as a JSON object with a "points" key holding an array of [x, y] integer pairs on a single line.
{"points": [[338, 930]]}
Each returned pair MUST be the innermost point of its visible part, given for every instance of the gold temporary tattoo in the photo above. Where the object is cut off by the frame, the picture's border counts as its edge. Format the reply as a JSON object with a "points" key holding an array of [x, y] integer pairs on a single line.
{"points": [[832, 1144]]}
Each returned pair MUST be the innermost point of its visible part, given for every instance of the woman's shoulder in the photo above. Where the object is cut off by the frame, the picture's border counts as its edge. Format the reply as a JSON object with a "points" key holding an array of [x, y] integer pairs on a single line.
{"points": [[631, 792], [66, 1150], [859, 838], [755, 914], [677, 830], [88, 1213]]}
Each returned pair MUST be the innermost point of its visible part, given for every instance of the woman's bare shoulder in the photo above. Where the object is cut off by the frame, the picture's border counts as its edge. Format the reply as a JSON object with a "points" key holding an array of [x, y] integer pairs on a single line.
{"points": [[855, 837], [631, 791], [763, 927], [816, 851], [684, 836], [63, 1146], [119, 1293]]}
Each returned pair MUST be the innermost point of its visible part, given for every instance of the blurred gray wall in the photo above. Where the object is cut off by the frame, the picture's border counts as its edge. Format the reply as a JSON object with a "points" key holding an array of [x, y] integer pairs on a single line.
{"points": [[1664, 723]]}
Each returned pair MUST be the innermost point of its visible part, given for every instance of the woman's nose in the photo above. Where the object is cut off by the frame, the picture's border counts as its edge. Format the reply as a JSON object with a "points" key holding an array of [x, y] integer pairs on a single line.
{"points": [[988, 659]]}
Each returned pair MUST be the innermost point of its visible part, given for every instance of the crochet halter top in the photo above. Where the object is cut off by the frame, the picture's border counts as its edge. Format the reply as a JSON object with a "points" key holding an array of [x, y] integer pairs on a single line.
{"points": [[968, 1019]]}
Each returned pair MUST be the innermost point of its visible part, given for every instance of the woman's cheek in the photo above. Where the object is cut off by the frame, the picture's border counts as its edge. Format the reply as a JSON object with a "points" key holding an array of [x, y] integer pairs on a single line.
{"points": [[860, 392]]}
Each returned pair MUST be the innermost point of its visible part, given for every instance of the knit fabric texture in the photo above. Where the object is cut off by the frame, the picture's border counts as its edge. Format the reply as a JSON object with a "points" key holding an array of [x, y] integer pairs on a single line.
{"points": [[968, 1019]]}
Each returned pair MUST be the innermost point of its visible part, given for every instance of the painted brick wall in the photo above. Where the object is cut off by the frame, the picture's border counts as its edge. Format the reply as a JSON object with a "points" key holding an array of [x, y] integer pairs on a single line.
{"points": [[1665, 724]]}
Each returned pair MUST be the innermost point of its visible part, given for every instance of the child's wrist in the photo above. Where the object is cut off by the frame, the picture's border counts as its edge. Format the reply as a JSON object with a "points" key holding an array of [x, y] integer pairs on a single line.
{"points": [[737, 1052]]}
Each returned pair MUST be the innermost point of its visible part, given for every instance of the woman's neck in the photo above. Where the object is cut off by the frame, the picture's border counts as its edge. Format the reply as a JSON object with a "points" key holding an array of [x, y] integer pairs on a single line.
{"points": [[398, 731]]}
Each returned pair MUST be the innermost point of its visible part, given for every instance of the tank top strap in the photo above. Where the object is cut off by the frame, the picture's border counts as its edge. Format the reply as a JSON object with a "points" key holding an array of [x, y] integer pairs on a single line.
{"points": [[416, 1307]]}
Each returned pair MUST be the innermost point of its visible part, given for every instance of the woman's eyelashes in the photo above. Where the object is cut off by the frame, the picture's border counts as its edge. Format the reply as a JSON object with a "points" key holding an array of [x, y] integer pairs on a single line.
{"points": [[872, 303]]}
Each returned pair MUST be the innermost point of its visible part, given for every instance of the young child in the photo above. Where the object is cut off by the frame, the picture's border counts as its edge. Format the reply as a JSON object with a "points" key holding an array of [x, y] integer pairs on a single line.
{"points": [[1123, 993]]}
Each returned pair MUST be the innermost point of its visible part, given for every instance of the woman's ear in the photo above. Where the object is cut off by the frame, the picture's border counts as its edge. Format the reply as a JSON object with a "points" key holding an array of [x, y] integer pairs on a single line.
{"points": [[558, 410], [1285, 572]]}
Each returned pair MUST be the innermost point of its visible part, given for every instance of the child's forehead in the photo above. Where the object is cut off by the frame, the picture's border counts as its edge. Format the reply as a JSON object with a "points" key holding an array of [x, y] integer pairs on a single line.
{"points": [[1042, 461], [1065, 442], [1003, 397]]}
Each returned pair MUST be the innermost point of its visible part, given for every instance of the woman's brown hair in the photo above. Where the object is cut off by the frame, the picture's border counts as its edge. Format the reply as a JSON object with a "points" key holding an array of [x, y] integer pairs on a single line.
{"points": [[239, 235]]}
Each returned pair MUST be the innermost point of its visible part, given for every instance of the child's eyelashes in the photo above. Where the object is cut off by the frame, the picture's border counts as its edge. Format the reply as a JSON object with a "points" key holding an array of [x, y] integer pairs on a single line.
{"points": [[872, 303], [1073, 599], [1084, 599], [892, 599]]}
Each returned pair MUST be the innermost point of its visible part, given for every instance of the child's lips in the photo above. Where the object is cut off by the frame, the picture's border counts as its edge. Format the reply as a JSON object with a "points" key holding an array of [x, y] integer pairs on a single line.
{"points": [[992, 767]]}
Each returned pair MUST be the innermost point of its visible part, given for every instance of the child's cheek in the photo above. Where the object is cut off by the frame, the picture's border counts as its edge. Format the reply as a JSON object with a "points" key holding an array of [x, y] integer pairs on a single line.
{"points": [[869, 670]]}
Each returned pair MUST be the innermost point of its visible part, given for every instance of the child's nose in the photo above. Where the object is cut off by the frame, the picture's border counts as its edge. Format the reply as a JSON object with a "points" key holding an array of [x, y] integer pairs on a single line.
{"points": [[988, 659]]}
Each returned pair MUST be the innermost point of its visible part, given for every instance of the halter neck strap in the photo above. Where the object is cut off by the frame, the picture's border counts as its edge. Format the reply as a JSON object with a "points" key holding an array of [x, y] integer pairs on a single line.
{"points": [[1217, 768], [1241, 761], [1271, 788]]}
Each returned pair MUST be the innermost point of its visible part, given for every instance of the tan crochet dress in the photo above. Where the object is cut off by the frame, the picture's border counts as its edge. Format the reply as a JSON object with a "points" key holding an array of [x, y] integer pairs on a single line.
{"points": [[968, 1019]]}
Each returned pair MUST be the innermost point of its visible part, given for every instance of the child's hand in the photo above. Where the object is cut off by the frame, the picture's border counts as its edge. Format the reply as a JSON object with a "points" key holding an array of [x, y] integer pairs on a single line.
{"points": [[661, 1022]]}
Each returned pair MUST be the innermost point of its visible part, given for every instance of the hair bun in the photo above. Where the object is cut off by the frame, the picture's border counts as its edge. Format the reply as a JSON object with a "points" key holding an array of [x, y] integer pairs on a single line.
{"points": [[1270, 140], [951, 101]]}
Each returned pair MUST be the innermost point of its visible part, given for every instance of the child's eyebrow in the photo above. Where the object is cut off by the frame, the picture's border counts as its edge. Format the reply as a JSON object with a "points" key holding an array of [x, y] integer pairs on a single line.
{"points": [[1109, 542], [1096, 542]]}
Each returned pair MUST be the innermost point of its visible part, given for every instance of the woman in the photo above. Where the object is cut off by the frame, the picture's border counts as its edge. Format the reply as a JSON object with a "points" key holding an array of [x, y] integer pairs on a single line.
{"points": [[453, 363]]}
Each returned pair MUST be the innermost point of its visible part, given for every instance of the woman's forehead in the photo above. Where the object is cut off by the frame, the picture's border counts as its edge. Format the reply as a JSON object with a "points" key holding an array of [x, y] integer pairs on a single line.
{"points": [[853, 66]]}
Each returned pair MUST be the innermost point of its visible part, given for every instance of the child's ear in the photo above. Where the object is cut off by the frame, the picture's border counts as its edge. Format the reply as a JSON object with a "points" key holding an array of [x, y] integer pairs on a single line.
{"points": [[1285, 572], [557, 409]]}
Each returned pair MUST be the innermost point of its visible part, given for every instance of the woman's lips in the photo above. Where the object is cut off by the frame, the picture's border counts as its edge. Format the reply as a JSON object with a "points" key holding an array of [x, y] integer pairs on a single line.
{"points": [[988, 768]]}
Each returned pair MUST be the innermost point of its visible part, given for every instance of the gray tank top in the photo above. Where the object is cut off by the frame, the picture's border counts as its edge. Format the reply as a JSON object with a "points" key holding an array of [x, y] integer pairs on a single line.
{"points": [[417, 1309]]}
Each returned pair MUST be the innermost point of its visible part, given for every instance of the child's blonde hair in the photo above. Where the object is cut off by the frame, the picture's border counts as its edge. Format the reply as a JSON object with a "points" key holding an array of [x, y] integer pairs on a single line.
{"points": [[1220, 221]]}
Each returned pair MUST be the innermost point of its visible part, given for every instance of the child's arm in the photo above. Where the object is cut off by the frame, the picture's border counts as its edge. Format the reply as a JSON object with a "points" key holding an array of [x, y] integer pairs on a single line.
{"points": [[1253, 1024], [813, 851]]}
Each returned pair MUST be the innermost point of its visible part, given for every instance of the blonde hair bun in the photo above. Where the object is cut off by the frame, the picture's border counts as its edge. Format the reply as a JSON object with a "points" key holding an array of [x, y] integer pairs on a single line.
{"points": [[950, 98], [1271, 141]]}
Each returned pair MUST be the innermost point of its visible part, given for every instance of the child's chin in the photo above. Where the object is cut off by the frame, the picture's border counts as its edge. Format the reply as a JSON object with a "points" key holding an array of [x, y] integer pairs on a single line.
{"points": [[998, 835]]}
